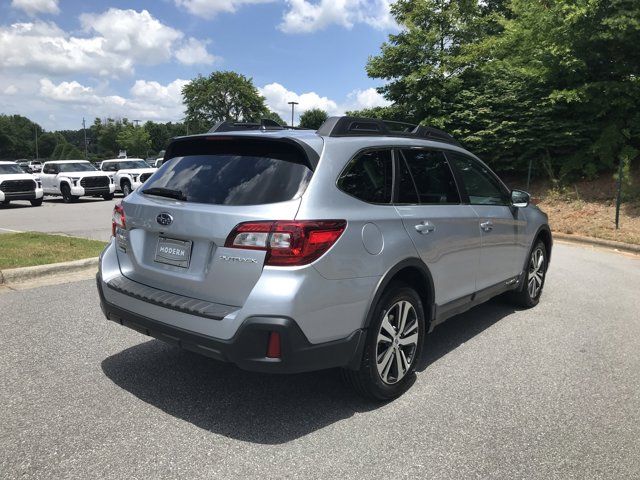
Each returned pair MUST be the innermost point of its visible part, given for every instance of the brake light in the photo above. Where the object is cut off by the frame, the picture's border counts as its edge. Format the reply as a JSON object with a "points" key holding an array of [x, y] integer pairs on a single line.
{"points": [[287, 243], [118, 220]]}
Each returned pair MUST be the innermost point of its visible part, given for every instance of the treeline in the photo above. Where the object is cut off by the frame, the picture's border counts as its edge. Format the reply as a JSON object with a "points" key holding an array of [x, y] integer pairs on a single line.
{"points": [[105, 138], [556, 82]]}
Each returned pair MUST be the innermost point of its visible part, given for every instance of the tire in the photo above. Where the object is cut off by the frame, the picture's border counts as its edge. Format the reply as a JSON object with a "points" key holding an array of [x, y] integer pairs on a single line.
{"points": [[66, 194], [528, 295], [126, 188], [384, 353], [108, 196], [5, 203], [36, 203]]}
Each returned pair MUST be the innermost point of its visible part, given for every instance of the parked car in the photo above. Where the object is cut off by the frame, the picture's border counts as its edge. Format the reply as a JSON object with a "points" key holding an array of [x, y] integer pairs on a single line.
{"points": [[32, 166], [127, 174], [15, 184], [291, 250], [72, 179]]}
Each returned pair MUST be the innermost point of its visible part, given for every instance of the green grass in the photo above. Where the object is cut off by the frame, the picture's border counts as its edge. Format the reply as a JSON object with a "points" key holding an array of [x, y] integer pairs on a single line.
{"points": [[32, 248]]}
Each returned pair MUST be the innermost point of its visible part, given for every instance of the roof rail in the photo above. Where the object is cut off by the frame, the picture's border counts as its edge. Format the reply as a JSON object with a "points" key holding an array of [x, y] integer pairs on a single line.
{"points": [[264, 124], [360, 127]]}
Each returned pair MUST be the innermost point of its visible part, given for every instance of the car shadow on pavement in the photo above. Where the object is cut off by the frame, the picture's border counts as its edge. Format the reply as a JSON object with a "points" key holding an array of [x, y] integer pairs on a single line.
{"points": [[457, 330], [262, 408], [59, 200], [15, 206]]}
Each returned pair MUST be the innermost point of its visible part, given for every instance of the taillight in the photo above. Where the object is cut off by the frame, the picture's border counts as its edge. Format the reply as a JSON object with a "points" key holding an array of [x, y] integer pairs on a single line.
{"points": [[118, 220], [287, 243]]}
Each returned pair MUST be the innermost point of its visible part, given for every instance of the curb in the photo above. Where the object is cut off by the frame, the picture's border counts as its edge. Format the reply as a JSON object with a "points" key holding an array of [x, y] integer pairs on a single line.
{"points": [[599, 242], [16, 275]]}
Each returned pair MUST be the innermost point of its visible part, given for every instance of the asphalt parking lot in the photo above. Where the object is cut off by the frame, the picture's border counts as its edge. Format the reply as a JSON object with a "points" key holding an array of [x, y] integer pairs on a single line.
{"points": [[88, 217], [549, 393]]}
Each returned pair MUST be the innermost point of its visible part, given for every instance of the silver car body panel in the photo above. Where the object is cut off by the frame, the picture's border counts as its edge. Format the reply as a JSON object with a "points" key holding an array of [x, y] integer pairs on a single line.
{"points": [[330, 298]]}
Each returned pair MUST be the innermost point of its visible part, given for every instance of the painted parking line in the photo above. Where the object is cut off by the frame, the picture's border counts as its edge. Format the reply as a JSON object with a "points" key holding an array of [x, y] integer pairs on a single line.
{"points": [[9, 230]]}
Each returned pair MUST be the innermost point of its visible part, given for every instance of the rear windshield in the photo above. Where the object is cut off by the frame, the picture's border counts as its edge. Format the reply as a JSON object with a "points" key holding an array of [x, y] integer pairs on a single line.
{"points": [[226, 179]]}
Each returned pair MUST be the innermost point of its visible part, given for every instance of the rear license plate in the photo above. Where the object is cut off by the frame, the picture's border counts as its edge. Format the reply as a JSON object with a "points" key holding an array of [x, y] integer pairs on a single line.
{"points": [[173, 252]]}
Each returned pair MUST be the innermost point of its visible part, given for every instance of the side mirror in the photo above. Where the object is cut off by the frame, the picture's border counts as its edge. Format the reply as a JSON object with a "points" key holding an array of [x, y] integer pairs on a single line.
{"points": [[520, 199]]}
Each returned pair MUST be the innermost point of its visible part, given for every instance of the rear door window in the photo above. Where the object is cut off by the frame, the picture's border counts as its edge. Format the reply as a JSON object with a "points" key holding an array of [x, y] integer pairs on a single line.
{"points": [[369, 176], [242, 175], [431, 177]]}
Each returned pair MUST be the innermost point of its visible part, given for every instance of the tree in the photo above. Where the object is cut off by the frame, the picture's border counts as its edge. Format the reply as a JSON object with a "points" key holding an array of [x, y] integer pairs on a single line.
{"points": [[313, 118], [135, 140], [424, 62], [47, 142], [17, 136], [275, 117], [66, 151], [222, 96], [392, 112], [555, 81]]}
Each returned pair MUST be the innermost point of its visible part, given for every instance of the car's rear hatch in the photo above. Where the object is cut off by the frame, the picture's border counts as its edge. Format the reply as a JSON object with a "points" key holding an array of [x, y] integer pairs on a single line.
{"points": [[177, 244]]}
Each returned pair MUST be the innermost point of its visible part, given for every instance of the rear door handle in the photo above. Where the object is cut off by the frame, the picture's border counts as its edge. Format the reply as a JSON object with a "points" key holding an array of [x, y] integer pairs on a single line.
{"points": [[425, 227], [486, 226]]}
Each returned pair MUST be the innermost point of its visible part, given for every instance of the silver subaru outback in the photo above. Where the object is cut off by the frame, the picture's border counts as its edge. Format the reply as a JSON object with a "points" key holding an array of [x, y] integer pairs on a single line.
{"points": [[284, 250]]}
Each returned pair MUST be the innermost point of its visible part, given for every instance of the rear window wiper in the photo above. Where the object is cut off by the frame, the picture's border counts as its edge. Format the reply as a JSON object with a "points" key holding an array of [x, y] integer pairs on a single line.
{"points": [[165, 192]]}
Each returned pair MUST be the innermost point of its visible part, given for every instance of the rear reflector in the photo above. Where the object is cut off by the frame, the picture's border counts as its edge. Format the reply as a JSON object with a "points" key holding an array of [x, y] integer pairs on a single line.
{"points": [[273, 346], [287, 243]]}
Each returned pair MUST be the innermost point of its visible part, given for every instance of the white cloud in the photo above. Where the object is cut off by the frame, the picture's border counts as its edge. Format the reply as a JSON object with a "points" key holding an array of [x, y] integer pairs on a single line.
{"points": [[369, 98], [33, 7], [137, 35], [10, 90], [193, 51], [210, 8], [305, 16], [114, 42], [169, 95], [148, 100], [78, 94], [277, 98]]}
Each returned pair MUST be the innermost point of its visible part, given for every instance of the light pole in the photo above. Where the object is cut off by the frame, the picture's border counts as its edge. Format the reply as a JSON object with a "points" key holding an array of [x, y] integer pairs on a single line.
{"points": [[137, 122], [37, 156], [293, 106], [84, 130]]}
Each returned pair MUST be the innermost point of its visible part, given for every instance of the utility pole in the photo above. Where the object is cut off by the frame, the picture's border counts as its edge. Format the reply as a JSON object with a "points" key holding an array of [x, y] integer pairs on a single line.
{"points": [[293, 105], [529, 173], [37, 156], [619, 193], [137, 122], [84, 130]]}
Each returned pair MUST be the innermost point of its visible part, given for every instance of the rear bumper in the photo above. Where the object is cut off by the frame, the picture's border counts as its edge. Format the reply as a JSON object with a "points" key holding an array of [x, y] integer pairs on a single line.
{"points": [[247, 348]]}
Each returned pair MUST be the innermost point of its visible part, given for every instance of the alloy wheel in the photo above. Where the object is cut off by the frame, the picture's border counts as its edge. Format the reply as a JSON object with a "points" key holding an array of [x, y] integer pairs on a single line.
{"points": [[397, 342], [536, 272]]}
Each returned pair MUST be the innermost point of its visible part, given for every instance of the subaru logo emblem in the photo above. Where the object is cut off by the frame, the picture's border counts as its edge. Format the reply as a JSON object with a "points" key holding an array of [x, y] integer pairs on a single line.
{"points": [[164, 219]]}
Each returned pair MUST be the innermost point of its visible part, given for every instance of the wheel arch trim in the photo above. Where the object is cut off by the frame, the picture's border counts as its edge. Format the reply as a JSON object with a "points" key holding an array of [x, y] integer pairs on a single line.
{"points": [[391, 274]]}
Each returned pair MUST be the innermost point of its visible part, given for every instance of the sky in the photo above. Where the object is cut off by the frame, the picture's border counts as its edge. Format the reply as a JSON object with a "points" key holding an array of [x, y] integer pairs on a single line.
{"points": [[62, 60]]}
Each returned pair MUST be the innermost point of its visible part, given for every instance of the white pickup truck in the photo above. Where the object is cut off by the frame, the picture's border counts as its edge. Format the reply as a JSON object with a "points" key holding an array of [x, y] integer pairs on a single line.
{"points": [[15, 184], [75, 178], [127, 173]]}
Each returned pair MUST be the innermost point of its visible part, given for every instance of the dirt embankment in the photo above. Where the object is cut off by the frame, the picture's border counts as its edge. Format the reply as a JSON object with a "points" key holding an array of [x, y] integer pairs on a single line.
{"points": [[588, 207]]}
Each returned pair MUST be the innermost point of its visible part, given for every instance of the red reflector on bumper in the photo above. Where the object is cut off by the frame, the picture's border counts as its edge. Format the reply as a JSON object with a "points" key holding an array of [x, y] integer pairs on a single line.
{"points": [[273, 346]]}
